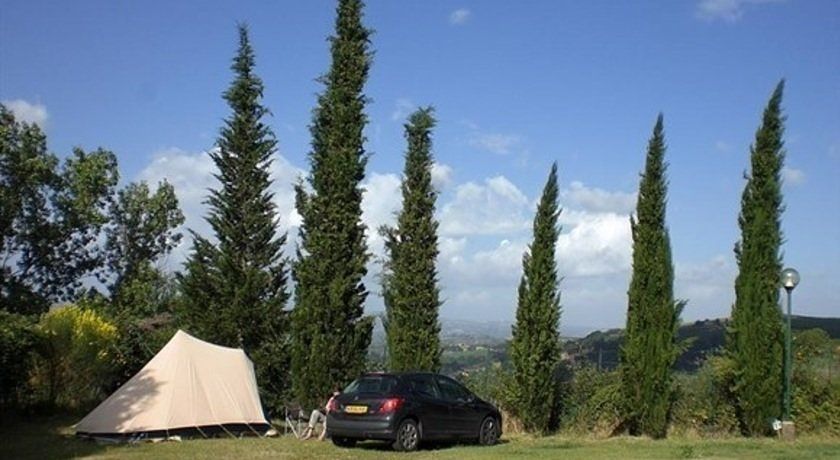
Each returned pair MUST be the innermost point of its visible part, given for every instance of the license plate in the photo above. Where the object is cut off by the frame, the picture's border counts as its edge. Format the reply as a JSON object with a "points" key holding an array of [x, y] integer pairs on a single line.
{"points": [[356, 409]]}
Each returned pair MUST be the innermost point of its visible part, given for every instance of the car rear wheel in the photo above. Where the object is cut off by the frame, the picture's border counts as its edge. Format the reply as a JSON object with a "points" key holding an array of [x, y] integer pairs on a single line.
{"points": [[408, 436], [489, 432], [343, 442]]}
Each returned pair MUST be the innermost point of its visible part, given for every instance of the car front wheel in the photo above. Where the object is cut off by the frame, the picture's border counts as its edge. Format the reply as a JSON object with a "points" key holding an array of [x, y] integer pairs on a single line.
{"points": [[344, 442], [408, 436], [489, 432]]}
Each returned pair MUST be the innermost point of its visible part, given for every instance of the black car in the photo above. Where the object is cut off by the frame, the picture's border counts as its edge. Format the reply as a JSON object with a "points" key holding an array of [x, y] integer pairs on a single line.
{"points": [[408, 408]]}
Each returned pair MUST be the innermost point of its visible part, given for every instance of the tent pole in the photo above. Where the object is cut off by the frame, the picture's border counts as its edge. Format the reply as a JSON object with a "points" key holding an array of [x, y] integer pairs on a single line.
{"points": [[228, 432], [253, 430]]}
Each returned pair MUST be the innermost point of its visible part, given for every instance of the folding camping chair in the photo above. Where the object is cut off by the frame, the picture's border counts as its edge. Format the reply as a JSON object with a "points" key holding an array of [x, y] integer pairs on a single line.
{"points": [[296, 419]]}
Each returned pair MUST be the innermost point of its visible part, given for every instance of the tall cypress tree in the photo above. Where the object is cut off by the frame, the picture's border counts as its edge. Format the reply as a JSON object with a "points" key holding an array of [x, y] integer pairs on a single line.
{"points": [[535, 346], [755, 336], [234, 290], [330, 334], [650, 349], [410, 287]]}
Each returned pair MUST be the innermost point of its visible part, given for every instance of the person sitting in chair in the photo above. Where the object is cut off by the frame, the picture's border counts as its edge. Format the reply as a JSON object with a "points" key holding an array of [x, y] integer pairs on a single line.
{"points": [[319, 416]]}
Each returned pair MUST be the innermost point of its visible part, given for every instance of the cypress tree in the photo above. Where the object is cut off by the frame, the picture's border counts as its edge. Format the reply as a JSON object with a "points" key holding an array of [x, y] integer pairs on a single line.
{"points": [[410, 288], [234, 290], [330, 334], [650, 349], [535, 346], [755, 337]]}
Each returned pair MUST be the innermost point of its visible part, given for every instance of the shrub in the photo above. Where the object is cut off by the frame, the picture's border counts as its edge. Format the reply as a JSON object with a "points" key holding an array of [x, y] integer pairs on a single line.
{"points": [[816, 405], [17, 341], [593, 402], [141, 311], [139, 341], [495, 384], [486, 382], [74, 365], [704, 402], [816, 398], [271, 365]]}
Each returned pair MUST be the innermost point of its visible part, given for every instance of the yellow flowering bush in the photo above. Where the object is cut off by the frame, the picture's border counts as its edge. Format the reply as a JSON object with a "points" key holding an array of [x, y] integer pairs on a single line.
{"points": [[74, 364]]}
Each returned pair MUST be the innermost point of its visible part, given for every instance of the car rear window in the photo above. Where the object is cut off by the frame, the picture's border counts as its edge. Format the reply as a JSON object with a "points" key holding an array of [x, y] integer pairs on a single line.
{"points": [[379, 384]]}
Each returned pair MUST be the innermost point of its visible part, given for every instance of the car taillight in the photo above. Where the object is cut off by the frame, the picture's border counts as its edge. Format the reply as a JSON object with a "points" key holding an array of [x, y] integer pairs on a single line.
{"points": [[390, 405]]}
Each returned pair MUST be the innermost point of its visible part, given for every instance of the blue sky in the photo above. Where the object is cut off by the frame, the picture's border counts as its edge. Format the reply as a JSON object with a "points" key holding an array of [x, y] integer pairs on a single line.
{"points": [[516, 85]]}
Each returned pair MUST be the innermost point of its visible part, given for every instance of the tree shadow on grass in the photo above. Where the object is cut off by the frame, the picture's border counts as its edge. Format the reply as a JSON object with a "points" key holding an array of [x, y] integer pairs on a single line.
{"points": [[42, 437], [25, 436]]}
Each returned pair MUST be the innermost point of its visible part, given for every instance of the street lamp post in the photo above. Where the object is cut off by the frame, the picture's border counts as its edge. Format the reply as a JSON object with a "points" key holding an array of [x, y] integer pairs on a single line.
{"points": [[790, 278]]}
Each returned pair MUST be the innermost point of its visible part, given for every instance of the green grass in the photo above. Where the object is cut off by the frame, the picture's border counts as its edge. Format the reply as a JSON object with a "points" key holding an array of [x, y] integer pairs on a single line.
{"points": [[48, 438]]}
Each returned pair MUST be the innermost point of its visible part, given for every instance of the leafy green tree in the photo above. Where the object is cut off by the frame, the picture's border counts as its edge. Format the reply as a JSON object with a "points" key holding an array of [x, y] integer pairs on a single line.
{"points": [[141, 229], [143, 311], [535, 346], [754, 340], [412, 297], [650, 348], [17, 342], [234, 291], [51, 217], [811, 344], [330, 334]]}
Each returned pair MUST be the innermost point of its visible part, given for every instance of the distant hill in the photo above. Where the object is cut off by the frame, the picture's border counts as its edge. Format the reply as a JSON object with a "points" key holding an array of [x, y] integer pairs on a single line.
{"points": [[459, 331], [830, 325], [468, 331], [706, 336], [471, 344]]}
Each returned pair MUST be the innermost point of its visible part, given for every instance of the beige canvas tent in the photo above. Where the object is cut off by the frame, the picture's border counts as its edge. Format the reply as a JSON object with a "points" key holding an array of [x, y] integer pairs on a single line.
{"points": [[190, 386]]}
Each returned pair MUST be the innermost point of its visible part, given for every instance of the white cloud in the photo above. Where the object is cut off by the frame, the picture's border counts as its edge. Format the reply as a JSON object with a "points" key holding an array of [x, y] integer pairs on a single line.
{"points": [[484, 231], [451, 249], [598, 200], [380, 203], [493, 142], [589, 245], [594, 258], [707, 285], [459, 16], [191, 174], [722, 146], [594, 243], [730, 11], [500, 144], [441, 175], [27, 112], [793, 176], [402, 108], [495, 207], [500, 265]]}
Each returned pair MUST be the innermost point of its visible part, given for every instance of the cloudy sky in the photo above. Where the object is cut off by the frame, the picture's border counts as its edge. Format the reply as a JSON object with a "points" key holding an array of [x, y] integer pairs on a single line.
{"points": [[516, 86]]}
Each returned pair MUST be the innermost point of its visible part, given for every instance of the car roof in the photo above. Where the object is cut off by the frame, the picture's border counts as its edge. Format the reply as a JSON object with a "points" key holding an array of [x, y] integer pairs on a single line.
{"points": [[400, 374]]}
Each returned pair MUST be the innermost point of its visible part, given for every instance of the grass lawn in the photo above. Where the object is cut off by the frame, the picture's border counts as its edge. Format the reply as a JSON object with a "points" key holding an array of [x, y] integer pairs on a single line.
{"points": [[49, 438]]}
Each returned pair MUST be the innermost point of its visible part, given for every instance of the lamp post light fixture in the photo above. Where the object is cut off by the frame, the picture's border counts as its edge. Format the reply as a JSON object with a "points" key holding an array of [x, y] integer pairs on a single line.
{"points": [[790, 278]]}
